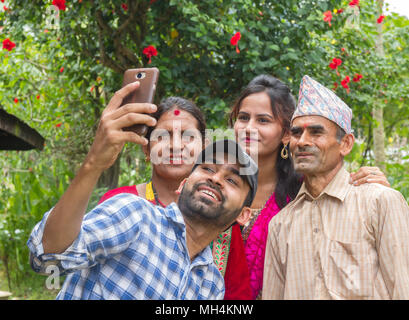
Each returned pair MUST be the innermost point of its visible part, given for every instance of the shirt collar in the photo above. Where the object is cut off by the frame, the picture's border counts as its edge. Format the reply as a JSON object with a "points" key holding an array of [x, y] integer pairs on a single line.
{"points": [[204, 257], [337, 188], [173, 213]]}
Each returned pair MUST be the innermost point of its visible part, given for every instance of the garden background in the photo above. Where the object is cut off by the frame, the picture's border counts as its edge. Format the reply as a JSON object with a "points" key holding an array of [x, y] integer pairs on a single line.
{"points": [[61, 61]]}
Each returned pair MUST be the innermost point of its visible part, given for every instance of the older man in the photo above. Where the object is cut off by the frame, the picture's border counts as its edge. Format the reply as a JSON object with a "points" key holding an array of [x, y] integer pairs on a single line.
{"points": [[334, 241]]}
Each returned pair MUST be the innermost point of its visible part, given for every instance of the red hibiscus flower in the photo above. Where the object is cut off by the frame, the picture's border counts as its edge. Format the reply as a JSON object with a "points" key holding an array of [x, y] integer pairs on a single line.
{"points": [[380, 19], [234, 41], [5, 8], [328, 17], [354, 3], [60, 4], [345, 82], [38, 97], [339, 11], [357, 77], [149, 52], [336, 62], [124, 6], [58, 125], [8, 44], [62, 69], [15, 100]]}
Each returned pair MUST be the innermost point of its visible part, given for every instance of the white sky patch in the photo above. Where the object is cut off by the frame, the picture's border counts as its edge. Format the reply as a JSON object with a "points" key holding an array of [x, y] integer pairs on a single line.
{"points": [[398, 6]]}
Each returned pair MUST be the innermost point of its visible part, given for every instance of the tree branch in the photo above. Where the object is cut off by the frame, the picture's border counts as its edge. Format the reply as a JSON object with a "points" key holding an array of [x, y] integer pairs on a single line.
{"points": [[105, 59], [368, 144], [36, 64], [104, 26]]}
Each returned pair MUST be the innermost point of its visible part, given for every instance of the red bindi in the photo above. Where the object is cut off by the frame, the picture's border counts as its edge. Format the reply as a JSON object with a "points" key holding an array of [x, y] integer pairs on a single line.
{"points": [[176, 112]]}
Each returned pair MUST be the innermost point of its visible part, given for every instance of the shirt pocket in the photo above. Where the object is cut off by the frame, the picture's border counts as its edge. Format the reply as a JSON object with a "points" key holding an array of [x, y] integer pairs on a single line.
{"points": [[347, 270]]}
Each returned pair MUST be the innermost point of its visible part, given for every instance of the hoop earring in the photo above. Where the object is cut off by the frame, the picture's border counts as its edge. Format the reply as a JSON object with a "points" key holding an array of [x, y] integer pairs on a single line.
{"points": [[284, 152]]}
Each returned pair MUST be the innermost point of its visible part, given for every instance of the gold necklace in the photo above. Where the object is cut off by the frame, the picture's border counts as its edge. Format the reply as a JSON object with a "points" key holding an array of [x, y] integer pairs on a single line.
{"points": [[151, 194]]}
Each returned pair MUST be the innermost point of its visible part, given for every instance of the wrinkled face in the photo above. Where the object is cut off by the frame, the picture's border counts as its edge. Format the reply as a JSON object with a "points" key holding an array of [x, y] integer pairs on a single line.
{"points": [[175, 144], [214, 193], [256, 129], [313, 145]]}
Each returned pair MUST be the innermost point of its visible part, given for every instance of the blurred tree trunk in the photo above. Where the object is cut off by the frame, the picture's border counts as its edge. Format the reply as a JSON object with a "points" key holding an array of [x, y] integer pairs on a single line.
{"points": [[109, 178], [378, 130]]}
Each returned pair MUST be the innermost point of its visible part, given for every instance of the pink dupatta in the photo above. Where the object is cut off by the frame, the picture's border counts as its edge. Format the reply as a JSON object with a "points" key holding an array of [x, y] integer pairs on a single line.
{"points": [[255, 246]]}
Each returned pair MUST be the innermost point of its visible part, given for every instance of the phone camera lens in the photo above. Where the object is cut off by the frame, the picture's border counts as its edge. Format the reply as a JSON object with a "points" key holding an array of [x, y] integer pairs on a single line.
{"points": [[140, 75]]}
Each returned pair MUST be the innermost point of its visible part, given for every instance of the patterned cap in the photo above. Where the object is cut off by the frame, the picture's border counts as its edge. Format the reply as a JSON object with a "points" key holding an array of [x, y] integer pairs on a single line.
{"points": [[316, 100]]}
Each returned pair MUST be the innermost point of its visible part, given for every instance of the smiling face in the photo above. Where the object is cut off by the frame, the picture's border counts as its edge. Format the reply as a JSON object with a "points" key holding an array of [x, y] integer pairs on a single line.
{"points": [[174, 144], [256, 129], [314, 145], [214, 193]]}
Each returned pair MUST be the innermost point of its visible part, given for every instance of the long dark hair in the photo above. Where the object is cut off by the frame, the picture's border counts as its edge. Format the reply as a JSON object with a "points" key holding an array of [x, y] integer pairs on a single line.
{"points": [[183, 104], [282, 106]]}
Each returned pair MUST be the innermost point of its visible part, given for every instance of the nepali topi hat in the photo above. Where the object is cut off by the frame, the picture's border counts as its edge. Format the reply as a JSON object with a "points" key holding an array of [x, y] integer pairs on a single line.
{"points": [[316, 100]]}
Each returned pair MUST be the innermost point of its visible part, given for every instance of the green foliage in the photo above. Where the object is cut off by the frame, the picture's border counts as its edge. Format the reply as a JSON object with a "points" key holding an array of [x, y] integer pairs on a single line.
{"points": [[32, 288], [195, 56], [29, 189]]}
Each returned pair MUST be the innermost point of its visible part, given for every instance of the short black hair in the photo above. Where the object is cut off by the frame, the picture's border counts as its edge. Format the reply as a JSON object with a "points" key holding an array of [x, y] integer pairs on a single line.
{"points": [[340, 133], [248, 201]]}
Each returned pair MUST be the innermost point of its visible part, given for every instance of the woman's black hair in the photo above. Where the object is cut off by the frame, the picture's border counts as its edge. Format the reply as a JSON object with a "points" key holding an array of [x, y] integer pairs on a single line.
{"points": [[282, 106], [182, 104]]}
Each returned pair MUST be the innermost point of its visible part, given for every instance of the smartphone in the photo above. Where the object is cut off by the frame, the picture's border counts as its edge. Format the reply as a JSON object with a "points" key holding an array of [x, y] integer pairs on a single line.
{"points": [[148, 78]]}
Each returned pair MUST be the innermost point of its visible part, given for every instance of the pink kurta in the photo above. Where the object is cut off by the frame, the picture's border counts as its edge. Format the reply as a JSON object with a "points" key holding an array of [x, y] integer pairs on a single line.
{"points": [[255, 245]]}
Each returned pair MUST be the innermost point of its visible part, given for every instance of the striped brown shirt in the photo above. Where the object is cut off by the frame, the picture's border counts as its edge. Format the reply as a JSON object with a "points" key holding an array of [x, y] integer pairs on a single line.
{"points": [[348, 243]]}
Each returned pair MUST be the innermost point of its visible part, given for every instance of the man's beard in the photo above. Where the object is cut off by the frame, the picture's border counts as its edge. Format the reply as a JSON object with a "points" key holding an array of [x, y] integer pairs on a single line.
{"points": [[204, 210]]}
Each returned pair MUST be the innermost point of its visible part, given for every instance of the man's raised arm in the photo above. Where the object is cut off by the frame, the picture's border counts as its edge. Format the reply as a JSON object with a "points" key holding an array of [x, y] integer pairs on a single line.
{"points": [[64, 222]]}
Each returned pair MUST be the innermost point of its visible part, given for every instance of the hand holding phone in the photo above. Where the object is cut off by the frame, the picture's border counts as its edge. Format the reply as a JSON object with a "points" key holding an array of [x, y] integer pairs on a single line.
{"points": [[148, 78]]}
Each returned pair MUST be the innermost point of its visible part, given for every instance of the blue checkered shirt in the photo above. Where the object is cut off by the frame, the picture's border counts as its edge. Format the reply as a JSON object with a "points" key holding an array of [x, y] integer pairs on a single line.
{"points": [[130, 249]]}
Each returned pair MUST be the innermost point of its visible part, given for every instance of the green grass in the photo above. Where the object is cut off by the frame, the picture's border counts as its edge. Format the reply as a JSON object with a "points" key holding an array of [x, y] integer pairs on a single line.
{"points": [[30, 287]]}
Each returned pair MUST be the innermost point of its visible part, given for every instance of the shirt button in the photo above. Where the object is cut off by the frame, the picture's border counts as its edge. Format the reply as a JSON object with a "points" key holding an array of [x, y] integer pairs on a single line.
{"points": [[316, 230]]}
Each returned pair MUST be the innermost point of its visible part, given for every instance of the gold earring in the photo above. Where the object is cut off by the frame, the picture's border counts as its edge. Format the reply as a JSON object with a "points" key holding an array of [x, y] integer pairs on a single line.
{"points": [[284, 152]]}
